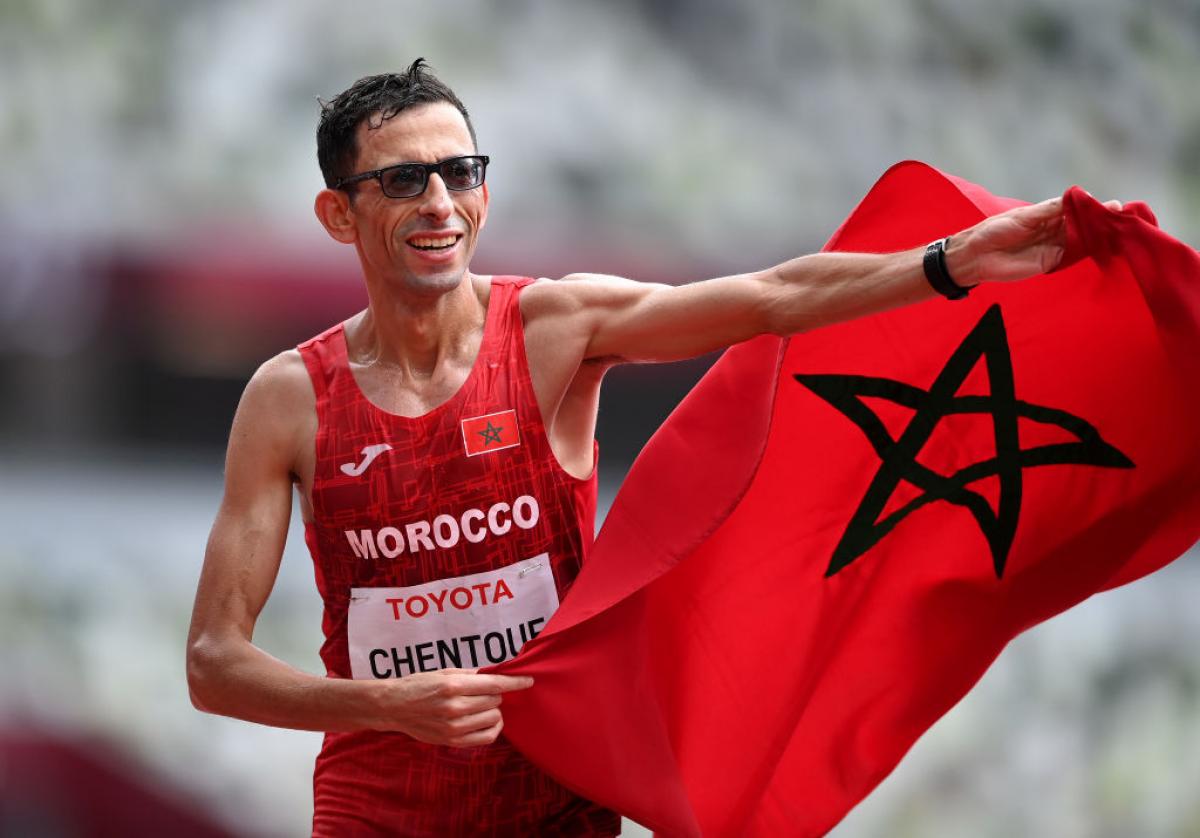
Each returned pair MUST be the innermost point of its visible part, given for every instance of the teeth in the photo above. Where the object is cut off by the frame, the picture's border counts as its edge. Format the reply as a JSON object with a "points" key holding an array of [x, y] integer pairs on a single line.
{"points": [[444, 241]]}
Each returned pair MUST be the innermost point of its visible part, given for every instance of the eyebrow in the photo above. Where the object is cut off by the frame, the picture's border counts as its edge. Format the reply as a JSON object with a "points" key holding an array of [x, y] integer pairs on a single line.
{"points": [[424, 163]]}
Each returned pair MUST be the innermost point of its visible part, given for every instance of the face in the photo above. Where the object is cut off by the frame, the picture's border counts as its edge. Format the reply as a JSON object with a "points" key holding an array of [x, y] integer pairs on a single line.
{"points": [[421, 245]]}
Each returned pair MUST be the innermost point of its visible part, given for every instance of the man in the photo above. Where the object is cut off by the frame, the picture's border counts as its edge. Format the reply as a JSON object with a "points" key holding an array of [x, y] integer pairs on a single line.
{"points": [[441, 445]]}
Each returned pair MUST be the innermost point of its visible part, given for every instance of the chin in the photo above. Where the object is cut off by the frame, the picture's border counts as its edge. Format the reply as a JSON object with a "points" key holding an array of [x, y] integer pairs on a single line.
{"points": [[434, 285]]}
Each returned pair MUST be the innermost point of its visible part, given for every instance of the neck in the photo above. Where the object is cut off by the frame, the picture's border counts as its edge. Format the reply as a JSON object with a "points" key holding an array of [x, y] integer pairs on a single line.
{"points": [[416, 334]]}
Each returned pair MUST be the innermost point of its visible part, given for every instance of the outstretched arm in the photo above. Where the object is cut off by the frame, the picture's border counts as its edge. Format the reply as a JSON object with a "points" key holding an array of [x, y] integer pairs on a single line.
{"points": [[227, 673], [632, 321]]}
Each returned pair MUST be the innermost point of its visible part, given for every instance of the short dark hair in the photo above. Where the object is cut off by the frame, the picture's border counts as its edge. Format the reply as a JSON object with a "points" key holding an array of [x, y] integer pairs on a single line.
{"points": [[375, 99]]}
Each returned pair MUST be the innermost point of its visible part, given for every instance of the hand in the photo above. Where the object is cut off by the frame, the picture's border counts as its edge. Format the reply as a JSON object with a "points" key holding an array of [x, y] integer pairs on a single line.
{"points": [[1021, 242], [456, 707]]}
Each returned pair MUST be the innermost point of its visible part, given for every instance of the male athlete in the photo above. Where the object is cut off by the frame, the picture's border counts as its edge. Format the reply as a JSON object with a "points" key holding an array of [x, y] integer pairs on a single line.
{"points": [[441, 447]]}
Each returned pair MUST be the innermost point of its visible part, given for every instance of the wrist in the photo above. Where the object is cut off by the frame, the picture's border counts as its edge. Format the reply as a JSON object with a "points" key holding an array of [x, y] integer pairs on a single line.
{"points": [[358, 704], [937, 272], [377, 707], [960, 261]]}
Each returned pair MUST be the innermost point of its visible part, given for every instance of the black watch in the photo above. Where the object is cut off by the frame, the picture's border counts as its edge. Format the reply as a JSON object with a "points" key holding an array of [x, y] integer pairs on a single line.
{"points": [[935, 271]]}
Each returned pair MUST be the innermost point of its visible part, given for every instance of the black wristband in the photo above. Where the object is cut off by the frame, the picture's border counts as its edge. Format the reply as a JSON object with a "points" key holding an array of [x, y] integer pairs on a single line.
{"points": [[935, 271]]}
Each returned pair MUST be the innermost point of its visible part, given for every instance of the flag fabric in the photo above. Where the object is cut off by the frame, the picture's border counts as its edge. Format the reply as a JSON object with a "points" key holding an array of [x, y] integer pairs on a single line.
{"points": [[831, 539]]}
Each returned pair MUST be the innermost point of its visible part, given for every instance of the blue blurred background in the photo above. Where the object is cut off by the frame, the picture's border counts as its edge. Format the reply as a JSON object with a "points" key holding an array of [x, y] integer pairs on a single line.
{"points": [[157, 242]]}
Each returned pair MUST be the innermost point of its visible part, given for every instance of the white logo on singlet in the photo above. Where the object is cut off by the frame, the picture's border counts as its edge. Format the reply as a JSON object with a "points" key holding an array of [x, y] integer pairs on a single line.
{"points": [[369, 452]]}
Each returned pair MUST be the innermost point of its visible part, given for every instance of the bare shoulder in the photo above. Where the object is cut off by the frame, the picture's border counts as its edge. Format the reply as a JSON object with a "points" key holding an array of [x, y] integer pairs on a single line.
{"points": [[579, 292], [278, 406], [282, 381]]}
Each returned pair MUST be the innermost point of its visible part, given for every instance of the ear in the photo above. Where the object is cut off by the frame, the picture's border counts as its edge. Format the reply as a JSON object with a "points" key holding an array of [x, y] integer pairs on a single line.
{"points": [[336, 215], [486, 197]]}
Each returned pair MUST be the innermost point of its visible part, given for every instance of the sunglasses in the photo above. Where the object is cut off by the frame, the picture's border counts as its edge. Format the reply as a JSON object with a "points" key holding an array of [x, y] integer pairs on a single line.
{"points": [[407, 180]]}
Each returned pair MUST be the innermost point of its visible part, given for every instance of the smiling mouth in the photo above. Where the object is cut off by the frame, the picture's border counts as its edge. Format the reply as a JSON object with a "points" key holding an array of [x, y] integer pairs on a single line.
{"points": [[434, 243]]}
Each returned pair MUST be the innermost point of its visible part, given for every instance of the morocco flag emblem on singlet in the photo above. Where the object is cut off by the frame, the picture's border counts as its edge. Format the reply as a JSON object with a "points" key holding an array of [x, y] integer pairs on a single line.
{"points": [[491, 432]]}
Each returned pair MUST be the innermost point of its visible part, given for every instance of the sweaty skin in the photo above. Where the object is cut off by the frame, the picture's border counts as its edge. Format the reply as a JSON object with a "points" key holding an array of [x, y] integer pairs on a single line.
{"points": [[412, 348]]}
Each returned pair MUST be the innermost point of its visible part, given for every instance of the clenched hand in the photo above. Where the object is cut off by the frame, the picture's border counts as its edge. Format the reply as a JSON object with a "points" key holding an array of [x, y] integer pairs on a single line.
{"points": [[456, 707], [1021, 242]]}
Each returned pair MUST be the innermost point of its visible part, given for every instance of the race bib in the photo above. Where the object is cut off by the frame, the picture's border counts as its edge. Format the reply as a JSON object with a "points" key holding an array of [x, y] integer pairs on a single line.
{"points": [[460, 623]]}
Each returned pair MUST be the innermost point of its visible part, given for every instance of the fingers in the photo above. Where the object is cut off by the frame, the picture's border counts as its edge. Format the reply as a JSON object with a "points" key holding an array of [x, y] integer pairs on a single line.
{"points": [[506, 683], [470, 704], [1053, 226], [1043, 211], [1114, 205], [486, 736], [475, 684], [464, 732], [1052, 258], [466, 725], [451, 707], [1052, 208], [476, 722], [1042, 218]]}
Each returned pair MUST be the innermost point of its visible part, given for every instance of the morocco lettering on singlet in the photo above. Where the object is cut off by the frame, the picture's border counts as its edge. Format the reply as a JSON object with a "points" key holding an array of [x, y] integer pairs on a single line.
{"points": [[445, 531]]}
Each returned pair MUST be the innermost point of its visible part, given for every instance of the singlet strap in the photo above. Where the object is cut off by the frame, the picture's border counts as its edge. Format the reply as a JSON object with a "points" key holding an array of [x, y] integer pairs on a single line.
{"points": [[504, 318], [327, 360], [518, 281], [324, 356]]}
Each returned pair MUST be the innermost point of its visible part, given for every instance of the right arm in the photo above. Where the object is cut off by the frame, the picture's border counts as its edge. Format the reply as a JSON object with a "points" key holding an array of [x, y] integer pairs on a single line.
{"points": [[227, 673]]}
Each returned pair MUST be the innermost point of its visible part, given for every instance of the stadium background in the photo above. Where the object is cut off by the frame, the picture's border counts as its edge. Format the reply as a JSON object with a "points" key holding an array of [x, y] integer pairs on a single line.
{"points": [[157, 242]]}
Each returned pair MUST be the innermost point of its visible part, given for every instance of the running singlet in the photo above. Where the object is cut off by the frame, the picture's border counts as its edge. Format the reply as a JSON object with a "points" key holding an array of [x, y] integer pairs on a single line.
{"points": [[445, 540]]}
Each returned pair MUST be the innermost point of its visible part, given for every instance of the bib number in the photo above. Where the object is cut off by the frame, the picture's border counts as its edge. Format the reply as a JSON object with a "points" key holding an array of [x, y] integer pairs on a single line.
{"points": [[461, 622]]}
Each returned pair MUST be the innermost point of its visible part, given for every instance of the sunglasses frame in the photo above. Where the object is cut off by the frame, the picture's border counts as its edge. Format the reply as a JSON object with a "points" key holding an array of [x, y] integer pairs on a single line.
{"points": [[426, 168]]}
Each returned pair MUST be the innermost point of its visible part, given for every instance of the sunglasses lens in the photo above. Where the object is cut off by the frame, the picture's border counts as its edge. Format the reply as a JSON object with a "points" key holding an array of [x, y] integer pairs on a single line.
{"points": [[462, 173], [409, 180], [404, 181]]}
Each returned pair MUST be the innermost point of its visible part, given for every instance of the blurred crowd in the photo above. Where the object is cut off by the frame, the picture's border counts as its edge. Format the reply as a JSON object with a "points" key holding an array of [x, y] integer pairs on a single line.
{"points": [[157, 242]]}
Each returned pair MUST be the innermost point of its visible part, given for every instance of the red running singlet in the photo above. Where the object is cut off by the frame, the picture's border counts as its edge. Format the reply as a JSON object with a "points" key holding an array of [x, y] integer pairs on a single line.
{"points": [[444, 540]]}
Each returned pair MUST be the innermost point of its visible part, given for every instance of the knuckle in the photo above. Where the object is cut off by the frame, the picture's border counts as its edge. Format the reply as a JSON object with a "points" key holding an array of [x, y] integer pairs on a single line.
{"points": [[447, 711]]}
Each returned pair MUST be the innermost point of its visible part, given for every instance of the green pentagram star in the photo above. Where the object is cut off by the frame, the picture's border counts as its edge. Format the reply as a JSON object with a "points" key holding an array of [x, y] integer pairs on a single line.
{"points": [[987, 341], [490, 434]]}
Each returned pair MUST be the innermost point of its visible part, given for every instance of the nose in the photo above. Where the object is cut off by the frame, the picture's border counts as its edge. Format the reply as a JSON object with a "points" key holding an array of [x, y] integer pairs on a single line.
{"points": [[435, 201]]}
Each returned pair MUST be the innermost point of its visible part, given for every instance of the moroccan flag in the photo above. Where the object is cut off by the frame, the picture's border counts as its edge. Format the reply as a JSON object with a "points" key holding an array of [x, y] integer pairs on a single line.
{"points": [[761, 633], [493, 432]]}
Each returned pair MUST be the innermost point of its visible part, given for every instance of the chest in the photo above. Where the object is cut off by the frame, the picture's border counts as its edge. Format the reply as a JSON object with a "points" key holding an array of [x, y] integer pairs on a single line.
{"points": [[411, 394]]}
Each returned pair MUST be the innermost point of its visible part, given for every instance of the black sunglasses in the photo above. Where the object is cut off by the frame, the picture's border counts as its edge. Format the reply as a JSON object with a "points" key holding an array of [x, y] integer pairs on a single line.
{"points": [[407, 180]]}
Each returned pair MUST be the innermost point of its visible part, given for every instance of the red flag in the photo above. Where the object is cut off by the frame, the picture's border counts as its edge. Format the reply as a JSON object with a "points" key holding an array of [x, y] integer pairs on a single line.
{"points": [[882, 506]]}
